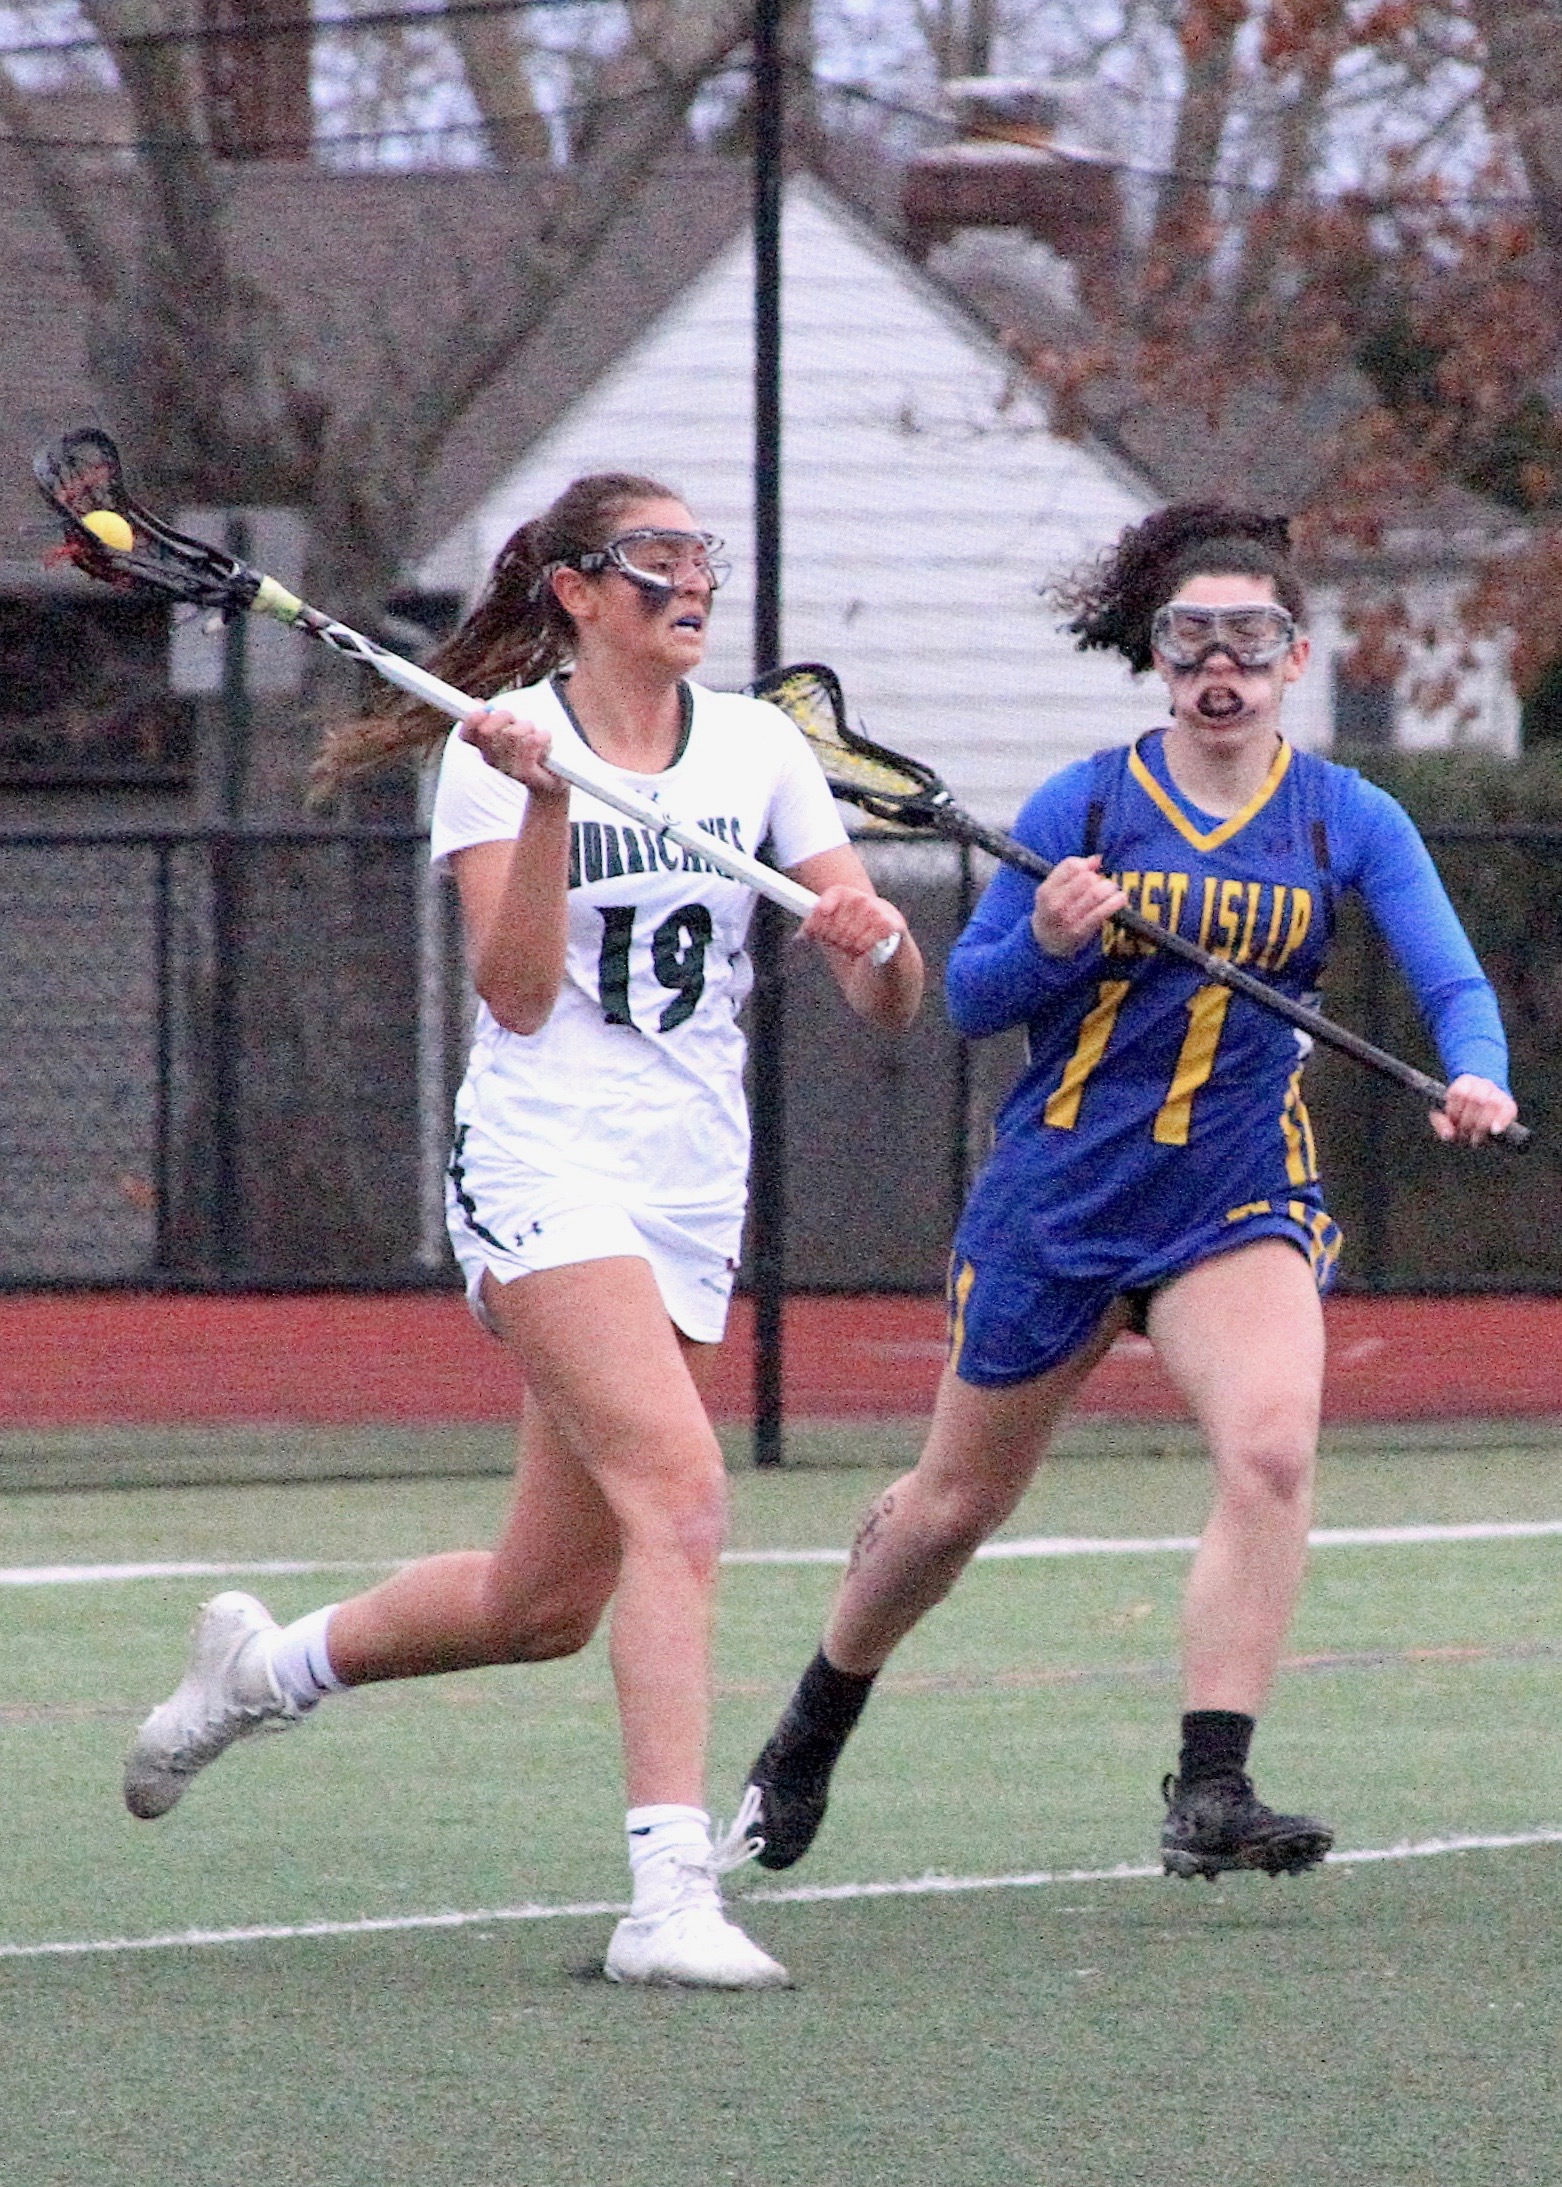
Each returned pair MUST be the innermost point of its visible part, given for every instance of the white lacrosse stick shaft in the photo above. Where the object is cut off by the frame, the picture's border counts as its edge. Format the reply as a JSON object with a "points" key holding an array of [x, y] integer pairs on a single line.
{"points": [[274, 600]]}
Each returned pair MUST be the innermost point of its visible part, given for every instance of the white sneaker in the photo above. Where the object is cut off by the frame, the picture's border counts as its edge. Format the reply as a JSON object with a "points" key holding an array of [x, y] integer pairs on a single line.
{"points": [[689, 1939], [227, 1692], [684, 1936]]}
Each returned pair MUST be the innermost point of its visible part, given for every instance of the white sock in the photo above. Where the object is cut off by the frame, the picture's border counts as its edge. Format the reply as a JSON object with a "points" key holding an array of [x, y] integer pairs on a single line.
{"points": [[300, 1662], [662, 1840]]}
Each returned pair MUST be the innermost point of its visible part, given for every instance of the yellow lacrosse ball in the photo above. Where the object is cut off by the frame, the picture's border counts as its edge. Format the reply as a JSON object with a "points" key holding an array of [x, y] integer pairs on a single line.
{"points": [[110, 527]]}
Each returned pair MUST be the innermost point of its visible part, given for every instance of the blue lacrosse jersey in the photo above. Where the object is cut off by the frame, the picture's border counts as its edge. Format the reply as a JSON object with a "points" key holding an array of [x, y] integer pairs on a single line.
{"points": [[1159, 1116]]}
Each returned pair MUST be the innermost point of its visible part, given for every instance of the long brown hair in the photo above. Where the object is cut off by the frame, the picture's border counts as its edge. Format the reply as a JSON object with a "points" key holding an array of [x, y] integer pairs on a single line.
{"points": [[1113, 602], [516, 634]]}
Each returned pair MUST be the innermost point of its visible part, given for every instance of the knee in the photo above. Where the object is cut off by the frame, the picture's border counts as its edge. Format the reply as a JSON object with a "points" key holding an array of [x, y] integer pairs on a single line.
{"points": [[555, 1631], [955, 1516], [553, 1622], [699, 1513], [1271, 1468], [680, 1510]]}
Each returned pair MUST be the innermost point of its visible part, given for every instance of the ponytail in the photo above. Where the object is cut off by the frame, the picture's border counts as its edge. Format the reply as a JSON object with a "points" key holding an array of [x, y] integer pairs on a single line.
{"points": [[517, 633]]}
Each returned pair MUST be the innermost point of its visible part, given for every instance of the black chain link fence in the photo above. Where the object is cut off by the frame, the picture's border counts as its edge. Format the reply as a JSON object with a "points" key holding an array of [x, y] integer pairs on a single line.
{"points": [[1419, 1216], [230, 1056]]}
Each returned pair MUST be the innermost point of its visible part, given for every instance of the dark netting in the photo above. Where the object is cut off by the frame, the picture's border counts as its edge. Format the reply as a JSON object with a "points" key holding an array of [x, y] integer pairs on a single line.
{"points": [[1419, 1216], [231, 1058]]}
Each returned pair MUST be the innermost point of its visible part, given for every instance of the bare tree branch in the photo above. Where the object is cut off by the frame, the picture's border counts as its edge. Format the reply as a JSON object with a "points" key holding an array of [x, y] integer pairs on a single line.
{"points": [[1523, 41], [217, 394], [1310, 40], [360, 485], [190, 354], [497, 78], [1185, 228], [56, 177]]}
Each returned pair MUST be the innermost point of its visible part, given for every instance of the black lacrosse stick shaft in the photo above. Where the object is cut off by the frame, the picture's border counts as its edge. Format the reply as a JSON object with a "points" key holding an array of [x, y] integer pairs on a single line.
{"points": [[931, 811]]}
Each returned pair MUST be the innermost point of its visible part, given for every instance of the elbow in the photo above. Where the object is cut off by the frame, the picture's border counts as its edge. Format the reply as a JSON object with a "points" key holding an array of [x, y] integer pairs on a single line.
{"points": [[897, 1013], [980, 1021], [965, 1013], [520, 1018], [519, 989], [522, 1010], [967, 996], [889, 996]]}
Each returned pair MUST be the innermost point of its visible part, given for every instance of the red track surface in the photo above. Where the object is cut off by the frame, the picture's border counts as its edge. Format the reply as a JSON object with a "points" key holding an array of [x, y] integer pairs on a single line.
{"points": [[94, 1358]]}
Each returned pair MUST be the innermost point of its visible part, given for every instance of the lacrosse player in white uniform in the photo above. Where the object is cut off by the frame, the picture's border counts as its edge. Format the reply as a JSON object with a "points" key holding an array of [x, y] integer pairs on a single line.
{"points": [[596, 1187]]}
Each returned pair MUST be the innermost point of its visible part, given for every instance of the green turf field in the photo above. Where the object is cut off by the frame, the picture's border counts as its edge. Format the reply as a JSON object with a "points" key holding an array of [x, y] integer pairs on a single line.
{"points": [[1392, 2021]]}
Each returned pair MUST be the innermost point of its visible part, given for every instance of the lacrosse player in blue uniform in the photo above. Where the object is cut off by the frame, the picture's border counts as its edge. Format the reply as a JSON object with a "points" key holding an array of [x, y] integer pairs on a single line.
{"points": [[1154, 1166]]}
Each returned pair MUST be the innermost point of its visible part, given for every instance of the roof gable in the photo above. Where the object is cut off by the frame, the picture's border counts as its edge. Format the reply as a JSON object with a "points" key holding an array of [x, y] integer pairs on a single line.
{"points": [[925, 499], [369, 272]]}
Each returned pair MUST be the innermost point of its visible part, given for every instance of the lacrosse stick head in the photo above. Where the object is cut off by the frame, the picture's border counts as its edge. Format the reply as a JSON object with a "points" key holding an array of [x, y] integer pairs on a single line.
{"points": [[81, 477], [888, 787]]}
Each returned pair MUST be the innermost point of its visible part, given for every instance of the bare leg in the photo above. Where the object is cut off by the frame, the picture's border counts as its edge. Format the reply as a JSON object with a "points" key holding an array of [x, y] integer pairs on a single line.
{"points": [[605, 1365], [621, 1485], [539, 1593], [1242, 1338], [982, 1450], [620, 1491], [981, 1453]]}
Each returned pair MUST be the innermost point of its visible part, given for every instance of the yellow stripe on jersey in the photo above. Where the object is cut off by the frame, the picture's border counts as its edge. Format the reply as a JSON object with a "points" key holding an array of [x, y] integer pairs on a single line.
{"points": [[959, 1292], [1206, 1008], [1308, 1140], [1324, 1238], [1301, 1150], [1095, 1031], [1227, 828]]}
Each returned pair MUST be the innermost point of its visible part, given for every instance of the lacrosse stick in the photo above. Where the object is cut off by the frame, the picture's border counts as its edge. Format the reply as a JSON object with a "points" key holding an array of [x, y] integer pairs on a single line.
{"points": [[113, 538]]}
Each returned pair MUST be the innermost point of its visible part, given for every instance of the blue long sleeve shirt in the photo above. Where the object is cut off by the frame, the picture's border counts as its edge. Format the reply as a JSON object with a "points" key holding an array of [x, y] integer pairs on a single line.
{"points": [[1152, 1101]]}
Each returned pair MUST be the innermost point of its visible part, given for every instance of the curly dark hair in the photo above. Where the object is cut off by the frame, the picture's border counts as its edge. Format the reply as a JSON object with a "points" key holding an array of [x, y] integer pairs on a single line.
{"points": [[1111, 603], [516, 634]]}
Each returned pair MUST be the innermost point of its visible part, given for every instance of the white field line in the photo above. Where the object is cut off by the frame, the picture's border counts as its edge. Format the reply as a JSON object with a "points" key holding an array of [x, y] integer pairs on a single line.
{"points": [[1321, 1537], [1045, 1545], [283, 1932], [81, 1575]]}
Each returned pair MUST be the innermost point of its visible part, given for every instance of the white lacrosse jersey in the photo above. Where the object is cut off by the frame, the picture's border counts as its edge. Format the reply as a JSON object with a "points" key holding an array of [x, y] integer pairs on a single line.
{"points": [[635, 1082]]}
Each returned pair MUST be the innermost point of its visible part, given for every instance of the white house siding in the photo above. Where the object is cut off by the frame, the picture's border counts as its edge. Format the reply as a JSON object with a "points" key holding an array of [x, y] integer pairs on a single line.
{"points": [[924, 501], [1485, 710]]}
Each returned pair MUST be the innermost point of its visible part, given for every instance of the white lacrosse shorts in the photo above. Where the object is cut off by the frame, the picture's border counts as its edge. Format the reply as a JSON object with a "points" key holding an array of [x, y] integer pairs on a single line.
{"points": [[507, 1219]]}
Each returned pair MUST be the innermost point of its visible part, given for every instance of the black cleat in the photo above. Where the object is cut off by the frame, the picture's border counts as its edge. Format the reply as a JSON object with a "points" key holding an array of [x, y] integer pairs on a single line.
{"points": [[1220, 1823], [792, 1774], [793, 1783]]}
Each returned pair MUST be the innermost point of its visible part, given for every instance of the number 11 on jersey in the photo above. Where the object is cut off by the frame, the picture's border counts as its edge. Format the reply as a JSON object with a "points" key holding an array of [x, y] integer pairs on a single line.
{"points": [[1206, 1008]]}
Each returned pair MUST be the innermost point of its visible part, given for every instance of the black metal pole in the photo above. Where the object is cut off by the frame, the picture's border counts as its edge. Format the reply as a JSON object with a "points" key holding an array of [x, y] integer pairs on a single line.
{"points": [[162, 1126], [229, 880], [960, 1162], [1378, 1202], [767, 1231]]}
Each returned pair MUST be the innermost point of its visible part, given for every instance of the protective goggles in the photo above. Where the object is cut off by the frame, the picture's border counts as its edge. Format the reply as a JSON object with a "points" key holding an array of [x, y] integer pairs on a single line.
{"points": [[660, 562], [1255, 633]]}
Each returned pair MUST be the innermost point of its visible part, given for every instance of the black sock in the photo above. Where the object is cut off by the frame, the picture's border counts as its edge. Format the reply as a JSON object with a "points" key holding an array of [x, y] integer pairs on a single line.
{"points": [[824, 1710], [1214, 1744]]}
